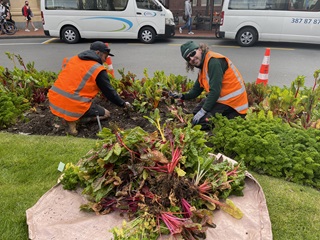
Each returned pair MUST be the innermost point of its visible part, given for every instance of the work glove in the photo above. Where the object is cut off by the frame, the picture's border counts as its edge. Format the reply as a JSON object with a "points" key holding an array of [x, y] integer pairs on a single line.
{"points": [[128, 106], [198, 116], [175, 95]]}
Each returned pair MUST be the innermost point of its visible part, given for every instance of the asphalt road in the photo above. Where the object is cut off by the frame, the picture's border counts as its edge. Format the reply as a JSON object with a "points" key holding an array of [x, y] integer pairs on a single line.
{"points": [[287, 60]]}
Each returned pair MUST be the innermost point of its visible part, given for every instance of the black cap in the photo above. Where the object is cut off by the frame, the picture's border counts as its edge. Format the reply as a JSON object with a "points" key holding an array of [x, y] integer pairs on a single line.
{"points": [[101, 47]]}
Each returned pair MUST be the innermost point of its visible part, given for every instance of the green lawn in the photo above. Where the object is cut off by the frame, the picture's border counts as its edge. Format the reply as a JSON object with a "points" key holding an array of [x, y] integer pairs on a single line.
{"points": [[29, 169]]}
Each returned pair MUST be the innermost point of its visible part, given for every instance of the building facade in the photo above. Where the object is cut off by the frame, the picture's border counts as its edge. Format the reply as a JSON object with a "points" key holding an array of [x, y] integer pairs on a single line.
{"points": [[199, 7], [203, 8], [16, 6]]}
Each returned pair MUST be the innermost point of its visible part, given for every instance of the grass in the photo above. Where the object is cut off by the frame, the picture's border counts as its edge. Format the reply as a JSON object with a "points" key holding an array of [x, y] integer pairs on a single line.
{"points": [[29, 169], [294, 209]]}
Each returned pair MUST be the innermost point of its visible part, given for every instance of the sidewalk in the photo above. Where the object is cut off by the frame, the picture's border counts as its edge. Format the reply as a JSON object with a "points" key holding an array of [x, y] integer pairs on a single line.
{"points": [[197, 34], [21, 33]]}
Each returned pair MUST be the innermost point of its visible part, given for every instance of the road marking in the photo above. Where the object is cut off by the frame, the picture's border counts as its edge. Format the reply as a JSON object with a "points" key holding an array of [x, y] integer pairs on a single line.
{"points": [[6, 44], [274, 48], [137, 44], [176, 44], [49, 41], [285, 49], [222, 46]]}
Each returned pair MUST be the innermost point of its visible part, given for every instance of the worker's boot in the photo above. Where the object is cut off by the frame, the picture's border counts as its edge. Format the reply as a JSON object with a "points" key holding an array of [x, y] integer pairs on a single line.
{"points": [[72, 128]]}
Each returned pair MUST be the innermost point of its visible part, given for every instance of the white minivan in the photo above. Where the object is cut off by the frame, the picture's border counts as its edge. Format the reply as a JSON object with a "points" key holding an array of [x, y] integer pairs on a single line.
{"points": [[249, 21], [71, 20]]}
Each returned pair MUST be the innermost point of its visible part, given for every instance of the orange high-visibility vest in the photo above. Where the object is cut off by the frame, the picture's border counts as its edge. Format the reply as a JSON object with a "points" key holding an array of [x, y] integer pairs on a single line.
{"points": [[233, 91], [72, 93], [64, 62]]}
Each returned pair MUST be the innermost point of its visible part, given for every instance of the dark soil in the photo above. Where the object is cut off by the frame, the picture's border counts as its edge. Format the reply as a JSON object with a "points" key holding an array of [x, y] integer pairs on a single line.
{"points": [[40, 121]]}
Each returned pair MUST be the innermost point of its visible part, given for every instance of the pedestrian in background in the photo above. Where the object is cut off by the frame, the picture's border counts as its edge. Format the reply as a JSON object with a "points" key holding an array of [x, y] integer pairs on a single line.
{"points": [[2, 17], [26, 11], [188, 15], [8, 13], [219, 77], [2, 8]]}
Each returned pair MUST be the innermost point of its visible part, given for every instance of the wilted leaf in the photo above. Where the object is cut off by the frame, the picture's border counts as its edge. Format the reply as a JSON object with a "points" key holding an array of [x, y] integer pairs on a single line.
{"points": [[180, 172], [117, 149], [232, 209]]}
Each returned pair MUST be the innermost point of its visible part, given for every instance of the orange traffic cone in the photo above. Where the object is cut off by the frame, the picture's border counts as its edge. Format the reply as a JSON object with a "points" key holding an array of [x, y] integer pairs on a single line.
{"points": [[264, 69], [109, 64]]}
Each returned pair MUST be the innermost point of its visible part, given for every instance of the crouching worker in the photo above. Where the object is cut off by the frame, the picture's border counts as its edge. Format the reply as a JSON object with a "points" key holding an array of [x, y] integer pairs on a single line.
{"points": [[81, 79], [226, 92]]}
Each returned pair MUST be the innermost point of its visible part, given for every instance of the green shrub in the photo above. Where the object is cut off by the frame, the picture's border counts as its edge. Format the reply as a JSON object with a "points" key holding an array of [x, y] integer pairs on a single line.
{"points": [[270, 147], [12, 108]]}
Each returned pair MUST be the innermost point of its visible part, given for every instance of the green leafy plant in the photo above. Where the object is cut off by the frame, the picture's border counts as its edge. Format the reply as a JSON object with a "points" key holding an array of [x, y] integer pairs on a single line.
{"points": [[155, 120], [21, 89], [297, 105], [27, 82], [124, 85], [148, 92], [256, 93]]}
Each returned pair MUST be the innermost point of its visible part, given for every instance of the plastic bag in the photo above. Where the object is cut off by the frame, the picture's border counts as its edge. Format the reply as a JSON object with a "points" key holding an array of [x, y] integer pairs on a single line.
{"points": [[185, 17]]}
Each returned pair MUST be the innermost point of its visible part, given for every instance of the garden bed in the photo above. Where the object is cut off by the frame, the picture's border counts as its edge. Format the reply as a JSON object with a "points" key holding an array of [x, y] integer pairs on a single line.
{"points": [[40, 121]]}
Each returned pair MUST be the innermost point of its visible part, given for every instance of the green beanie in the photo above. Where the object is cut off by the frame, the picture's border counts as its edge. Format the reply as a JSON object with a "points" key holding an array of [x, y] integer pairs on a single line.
{"points": [[187, 48]]}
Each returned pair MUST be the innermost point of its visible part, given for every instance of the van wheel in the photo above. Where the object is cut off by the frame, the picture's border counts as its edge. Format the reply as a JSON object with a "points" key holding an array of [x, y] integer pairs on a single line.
{"points": [[147, 35], [247, 37], [70, 35]]}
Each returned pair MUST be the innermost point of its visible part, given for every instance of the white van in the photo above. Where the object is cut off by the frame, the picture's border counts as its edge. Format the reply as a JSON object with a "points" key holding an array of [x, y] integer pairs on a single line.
{"points": [[71, 20], [249, 21]]}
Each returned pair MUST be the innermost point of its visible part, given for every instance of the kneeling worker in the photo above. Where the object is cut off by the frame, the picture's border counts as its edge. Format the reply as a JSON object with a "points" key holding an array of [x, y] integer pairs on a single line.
{"points": [[81, 79], [219, 77]]}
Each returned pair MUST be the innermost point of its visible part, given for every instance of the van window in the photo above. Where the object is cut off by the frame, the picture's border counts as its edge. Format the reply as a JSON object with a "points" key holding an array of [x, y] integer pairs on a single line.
{"points": [[294, 5], [304, 5], [257, 4], [148, 4], [102, 5]]}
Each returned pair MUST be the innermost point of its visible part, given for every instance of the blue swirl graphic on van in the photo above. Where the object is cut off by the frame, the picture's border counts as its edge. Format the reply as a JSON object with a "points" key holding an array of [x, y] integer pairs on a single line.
{"points": [[126, 23]]}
